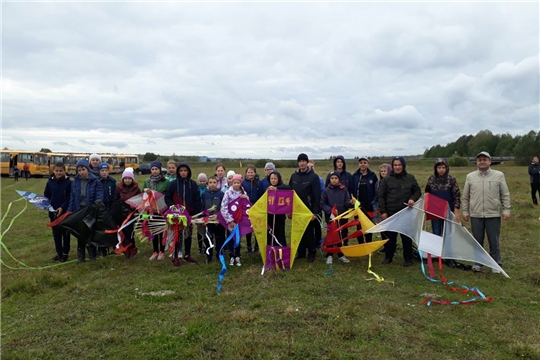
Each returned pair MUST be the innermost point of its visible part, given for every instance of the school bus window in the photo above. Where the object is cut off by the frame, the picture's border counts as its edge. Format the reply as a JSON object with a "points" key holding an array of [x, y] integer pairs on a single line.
{"points": [[4, 157], [26, 158]]}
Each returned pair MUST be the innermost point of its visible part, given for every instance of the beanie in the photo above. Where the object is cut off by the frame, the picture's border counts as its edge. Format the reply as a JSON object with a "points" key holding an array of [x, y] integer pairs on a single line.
{"points": [[269, 166], [202, 177], [103, 166], [94, 156], [128, 174], [230, 173], [237, 177], [302, 157], [84, 163], [155, 163]]}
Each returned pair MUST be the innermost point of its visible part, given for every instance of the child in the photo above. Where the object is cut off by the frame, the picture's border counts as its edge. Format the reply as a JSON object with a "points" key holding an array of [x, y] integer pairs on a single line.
{"points": [[156, 182], [230, 174], [126, 189], [95, 160], [233, 193], [276, 222], [108, 183], [183, 191], [85, 190], [337, 195], [220, 174], [171, 170], [203, 181], [268, 169], [15, 172], [58, 190], [252, 188], [213, 197]]}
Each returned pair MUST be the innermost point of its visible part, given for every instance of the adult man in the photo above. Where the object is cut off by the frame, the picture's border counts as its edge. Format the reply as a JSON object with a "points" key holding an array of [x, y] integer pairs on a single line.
{"points": [[396, 191], [534, 172], [485, 196], [364, 185], [26, 171], [305, 183]]}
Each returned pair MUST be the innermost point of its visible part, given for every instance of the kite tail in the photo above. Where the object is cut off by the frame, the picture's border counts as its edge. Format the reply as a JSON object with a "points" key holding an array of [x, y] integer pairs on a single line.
{"points": [[235, 234], [376, 277]]}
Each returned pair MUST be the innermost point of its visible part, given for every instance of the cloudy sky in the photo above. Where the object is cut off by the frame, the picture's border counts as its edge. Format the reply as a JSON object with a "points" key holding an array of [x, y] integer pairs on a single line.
{"points": [[266, 79]]}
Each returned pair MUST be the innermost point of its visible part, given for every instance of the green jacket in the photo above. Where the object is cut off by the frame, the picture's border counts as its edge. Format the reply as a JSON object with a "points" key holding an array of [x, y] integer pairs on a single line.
{"points": [[485, 196], [161, 186]]}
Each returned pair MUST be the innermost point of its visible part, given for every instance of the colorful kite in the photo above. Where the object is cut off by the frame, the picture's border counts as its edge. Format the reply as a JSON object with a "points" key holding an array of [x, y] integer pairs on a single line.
{"points": [[39, 201]]}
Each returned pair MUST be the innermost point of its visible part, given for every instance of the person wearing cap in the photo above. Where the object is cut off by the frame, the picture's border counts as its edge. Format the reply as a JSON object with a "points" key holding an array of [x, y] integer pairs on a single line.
{"points": [[125, 190], [305, 182], [85, 190], [265, 182], [93, 162], [534, 174], [108, 183], [365, 185], [156, 182], [397, 191], [485, 200]]}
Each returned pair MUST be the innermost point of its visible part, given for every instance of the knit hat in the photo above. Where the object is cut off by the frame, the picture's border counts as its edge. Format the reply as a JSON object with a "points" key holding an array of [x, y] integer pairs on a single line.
{"points": [[130, 169], [302, 157], [202, 177], [84, 163], [237, 177], [155, 163], [269, 166], [128, 174], [94, 156], [333, 173], [103, 166], [230, 173]]}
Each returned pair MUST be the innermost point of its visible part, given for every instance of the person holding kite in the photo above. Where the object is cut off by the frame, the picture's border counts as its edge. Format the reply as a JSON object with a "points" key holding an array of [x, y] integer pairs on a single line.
{"points": [[276, 222], [211, 202], [85, 190], [234, 192], [125, 190], [58, 191], [252, 187], [397, 191], [159, 183]]}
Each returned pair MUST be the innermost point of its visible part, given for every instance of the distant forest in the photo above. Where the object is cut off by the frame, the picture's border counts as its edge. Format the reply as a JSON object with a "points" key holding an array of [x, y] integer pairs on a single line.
{"points": [[522, 147]]}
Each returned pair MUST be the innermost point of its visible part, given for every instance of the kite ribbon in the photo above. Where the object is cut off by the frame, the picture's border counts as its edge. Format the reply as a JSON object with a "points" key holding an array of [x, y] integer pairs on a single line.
{"points": [[235, 233], [376, 277]]}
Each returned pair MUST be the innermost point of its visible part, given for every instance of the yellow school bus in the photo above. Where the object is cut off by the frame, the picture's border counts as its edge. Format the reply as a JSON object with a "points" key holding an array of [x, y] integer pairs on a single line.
{"points": [[54, 158], [128, 161], [38, 162], [72, 162], [113, 161]]}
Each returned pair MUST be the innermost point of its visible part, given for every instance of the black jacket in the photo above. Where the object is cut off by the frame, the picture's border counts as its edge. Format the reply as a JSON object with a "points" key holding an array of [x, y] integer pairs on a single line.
{"points": [[534, 173], [345, 178], [58, 192], [308, 188], [396, 190], [184, 191], [335, 195]]}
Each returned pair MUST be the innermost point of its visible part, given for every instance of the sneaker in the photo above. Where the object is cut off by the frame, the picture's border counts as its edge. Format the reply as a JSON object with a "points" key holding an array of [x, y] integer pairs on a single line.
{"points": [[407, 263], [386, 261], [154, 256], [476, 268], [189, 259], [238, 263], [64, 258], [231, 262], [329, 260], [344, 260], [56, 258], [176, 262], [161, 255]]}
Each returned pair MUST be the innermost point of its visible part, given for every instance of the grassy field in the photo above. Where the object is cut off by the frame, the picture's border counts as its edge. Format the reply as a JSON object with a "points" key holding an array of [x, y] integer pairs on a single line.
{"points": [[104, 309]]}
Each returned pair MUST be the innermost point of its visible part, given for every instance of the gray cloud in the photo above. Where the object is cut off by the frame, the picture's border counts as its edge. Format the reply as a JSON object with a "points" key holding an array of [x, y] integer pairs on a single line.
{"points": [[61, 143], [116, 144]]}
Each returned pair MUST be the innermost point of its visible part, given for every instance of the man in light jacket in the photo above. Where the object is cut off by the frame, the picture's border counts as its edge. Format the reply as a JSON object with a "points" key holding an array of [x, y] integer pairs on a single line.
{"points": [[485, 198]]}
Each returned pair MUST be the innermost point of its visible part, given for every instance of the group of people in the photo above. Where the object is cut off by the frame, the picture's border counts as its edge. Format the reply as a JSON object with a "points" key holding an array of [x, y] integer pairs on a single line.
{"points": [[25, 172], [485, 200]]}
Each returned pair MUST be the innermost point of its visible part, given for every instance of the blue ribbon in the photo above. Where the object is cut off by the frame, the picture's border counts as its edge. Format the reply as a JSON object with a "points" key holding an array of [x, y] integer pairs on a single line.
{"points": [[236, 234], [424, 271]]}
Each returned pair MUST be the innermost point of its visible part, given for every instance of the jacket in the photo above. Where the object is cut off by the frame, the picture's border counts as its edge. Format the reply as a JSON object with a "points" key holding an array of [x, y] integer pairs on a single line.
{"points": [[534, 172], [445, 187], [58, 191], [161, 186], [212, 198], [307, 187], [124, 192], [345, 178], [252, 189], [94, 192], [485, 196], [229, 196], [184, 191], [109, 189], [335, 195], [396, 190], [372, 184]]}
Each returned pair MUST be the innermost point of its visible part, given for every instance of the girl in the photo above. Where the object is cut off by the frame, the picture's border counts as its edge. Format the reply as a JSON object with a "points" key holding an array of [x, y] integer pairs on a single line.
{"points": [[126, 189], [156, 182], [220, 174], [203, 186], [229, 181], [234, 192], [252, 188], [171, 170], [276, 222]]}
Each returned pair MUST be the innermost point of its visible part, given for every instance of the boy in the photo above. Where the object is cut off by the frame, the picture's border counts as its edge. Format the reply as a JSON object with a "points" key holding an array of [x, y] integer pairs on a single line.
{"points": [[336, 195], [85, 190], [108, 183], [203, 181], [171, 170], [15, 173], [58, 190], [212, 197], [184, 191]]}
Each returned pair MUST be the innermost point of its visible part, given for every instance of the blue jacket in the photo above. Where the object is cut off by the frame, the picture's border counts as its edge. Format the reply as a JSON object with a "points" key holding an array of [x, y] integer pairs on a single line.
{"points": [[184, 191], [371, 185], [211, 198], [94, 192], [109, 189], [252, 189], [58, 192], [345, 178], [264, 184]]}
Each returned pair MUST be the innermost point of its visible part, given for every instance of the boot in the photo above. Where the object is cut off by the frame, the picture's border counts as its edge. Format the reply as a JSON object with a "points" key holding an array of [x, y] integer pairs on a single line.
{"points": [[92, 252], [81, 253]]}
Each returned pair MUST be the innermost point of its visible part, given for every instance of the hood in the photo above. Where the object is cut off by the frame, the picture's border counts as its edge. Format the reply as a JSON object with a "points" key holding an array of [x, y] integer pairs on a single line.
{"points": [[178, 170], [342, 159], [438, 162], [280, 182], [388, 169]]}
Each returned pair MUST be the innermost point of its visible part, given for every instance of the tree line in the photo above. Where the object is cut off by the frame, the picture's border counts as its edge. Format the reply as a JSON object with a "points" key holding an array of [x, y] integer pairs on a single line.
{"points": [[521, 147]]}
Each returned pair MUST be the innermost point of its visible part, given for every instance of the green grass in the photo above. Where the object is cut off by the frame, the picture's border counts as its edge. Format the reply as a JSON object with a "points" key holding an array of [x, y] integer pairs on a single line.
{"points": [[99, 310]]}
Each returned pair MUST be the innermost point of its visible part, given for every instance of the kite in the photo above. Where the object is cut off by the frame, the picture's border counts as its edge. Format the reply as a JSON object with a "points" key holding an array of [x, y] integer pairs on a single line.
{"points": [[456, 242], [279, 202], [39, 201]]}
